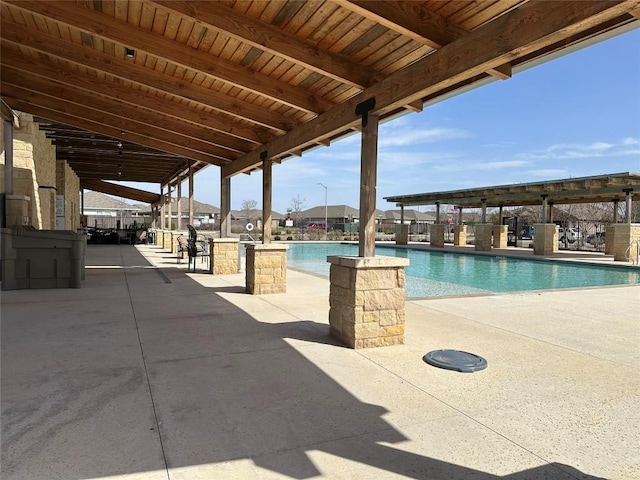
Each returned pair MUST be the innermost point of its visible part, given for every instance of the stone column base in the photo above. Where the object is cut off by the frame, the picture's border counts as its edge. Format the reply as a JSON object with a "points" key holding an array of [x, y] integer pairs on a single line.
{"points": [[483, 233], [17, 210], [625, 234], [159, 238], [224, 256], [436, 235], [266, 269], [500, 233], [367, 300], [460, 235], [402, 234], [545, 238], [609, 239], [166, 244]]}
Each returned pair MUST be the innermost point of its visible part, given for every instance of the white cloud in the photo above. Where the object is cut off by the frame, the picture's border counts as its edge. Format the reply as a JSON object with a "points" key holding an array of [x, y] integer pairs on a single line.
{"points": [[626, 147], [547, 172]]}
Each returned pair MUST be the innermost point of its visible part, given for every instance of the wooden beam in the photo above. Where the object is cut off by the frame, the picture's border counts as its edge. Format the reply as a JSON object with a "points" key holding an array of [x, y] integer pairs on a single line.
{"points": [[215, 154], [121, 191], [130, 36], [110, 131], [274, 40], [416, 106], [415, 21], [368, 182], [518, 33], [67, 76], [150, 78], [117, 108]]}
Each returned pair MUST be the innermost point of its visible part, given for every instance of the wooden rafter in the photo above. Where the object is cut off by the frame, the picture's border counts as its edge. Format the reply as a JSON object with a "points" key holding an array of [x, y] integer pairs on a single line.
{"points": [[524, 30], [273, 40], [126, 35]]}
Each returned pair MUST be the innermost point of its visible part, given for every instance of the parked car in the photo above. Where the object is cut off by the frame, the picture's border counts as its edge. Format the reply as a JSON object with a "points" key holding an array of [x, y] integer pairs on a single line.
{"points": [[527, 233], [596, 238], [318, 226], [572, 234]]}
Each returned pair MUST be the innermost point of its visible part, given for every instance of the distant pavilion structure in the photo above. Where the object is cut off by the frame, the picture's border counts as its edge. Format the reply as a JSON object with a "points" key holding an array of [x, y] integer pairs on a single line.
{"points": [[615, 187]]}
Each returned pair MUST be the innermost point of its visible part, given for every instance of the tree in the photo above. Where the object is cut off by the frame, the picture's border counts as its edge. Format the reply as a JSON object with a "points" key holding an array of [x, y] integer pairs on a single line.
{"points": [[247, 209], [297, 205]]}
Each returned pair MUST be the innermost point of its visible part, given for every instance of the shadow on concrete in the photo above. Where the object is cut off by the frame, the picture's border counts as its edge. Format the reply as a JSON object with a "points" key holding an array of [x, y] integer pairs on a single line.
{"points": [[225, 386]]}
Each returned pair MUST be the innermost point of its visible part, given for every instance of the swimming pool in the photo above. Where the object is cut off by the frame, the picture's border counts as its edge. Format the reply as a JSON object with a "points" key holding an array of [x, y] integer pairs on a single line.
{"points": [[443, 273]]}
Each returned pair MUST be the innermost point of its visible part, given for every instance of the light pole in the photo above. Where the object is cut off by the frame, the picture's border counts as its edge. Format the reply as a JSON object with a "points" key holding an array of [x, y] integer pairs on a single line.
{"points": [[326, 225]]}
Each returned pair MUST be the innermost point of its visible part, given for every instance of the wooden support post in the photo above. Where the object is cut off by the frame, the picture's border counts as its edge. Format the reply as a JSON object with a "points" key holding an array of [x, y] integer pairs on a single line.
{"points": [[191, 193], [615, 210], [437, 213], [484, 211], [225, 206], [179, 206], [266, 198], [162, 207], [627, 217], [8, 158], [543, 214], [368, 177], [550, 212], [169, 213]]}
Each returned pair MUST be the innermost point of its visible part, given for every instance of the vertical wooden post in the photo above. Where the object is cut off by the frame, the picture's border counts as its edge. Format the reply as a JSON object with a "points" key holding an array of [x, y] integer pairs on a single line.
{"points": [[484, 211], [627, 218], [8, 157], [266, 198], [368, 177], [543, 214], [179, 207], [225, 206], [550, 212], [191, 193], [162, 208], [169, 213], [615, 210]]}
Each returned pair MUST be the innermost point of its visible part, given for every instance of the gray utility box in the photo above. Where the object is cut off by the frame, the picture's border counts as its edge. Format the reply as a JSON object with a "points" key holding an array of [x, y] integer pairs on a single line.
{"points": [[41, 258]]}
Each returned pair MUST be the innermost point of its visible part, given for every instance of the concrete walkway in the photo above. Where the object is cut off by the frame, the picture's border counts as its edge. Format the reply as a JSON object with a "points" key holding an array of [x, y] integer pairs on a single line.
{"points": [[153, 373]]}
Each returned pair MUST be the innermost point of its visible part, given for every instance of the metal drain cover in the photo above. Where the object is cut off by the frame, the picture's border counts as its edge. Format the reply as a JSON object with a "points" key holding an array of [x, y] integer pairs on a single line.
{"points": [[455, 360]]}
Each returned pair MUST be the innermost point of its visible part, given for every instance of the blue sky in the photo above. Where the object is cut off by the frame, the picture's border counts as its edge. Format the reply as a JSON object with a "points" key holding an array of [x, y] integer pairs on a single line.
{"points": [[574, 116]]}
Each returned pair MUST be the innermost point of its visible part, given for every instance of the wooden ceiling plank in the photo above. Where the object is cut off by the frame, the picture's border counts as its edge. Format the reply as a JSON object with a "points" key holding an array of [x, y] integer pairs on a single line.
{"points": [[520, 32], [124, 123], [114, 132], [174, 51], [116, 107], [137, 97], [273, 40], [144, 76]]}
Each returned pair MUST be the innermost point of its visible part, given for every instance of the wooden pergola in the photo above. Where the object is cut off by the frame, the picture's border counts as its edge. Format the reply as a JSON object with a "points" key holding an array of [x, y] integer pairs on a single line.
{"points": [[155, 90]]}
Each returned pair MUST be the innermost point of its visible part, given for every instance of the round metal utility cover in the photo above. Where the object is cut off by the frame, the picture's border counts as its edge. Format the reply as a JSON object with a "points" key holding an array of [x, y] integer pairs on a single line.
{"points": [[455, 360]]}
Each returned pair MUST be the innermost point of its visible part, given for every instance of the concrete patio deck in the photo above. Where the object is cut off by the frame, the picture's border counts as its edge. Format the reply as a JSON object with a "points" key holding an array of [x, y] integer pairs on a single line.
{"points": [[153, 373]]}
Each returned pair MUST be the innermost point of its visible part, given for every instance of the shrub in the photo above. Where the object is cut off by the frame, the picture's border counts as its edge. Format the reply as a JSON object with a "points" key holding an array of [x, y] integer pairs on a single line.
{"points": [[289, 238], [276, 238]]}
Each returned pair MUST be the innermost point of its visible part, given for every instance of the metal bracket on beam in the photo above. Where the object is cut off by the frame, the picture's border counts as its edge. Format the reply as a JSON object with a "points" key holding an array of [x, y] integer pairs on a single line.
{"points": [[363, 109]]}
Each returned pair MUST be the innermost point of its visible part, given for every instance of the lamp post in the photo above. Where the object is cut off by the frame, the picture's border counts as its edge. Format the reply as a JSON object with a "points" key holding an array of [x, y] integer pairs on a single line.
{"points": [[326, 225]]}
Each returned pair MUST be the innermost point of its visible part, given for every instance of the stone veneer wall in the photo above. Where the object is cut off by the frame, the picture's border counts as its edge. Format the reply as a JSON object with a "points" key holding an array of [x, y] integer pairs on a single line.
{"points": [[483, 232], [224, 256], [68, 184], [167, 238], [436, 235], [266, 269], [609, 239], [625, 234], [367, 300], [460, 235], [500, 236], [545, 240]]}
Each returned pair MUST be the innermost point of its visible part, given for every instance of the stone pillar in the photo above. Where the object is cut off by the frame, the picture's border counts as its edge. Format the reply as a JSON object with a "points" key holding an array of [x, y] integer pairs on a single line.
{"points": [[160, 237], [460, 235], [179, 206], [225, 206], [402, 234], [367, 300], [167, 240], [500, 233], [224, 256], [625, 234], [266, 269], [609, 239], [545, 240], [483, 233], [436, 235], [17, 210]]}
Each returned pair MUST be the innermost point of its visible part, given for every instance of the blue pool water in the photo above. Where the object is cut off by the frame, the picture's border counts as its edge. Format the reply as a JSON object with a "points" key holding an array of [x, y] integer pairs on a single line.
{"points": [[438, 273]]}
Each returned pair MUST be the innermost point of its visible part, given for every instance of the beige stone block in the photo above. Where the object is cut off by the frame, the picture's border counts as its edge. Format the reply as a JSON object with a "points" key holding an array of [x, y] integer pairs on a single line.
{"points": [[391, 330], [268, 261], [366, 330], [340, 276], [375, 279], [371, 316], [400, 316], [388, 317], [264, 279], [345, 296], [401, 277], [384, 299]]}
